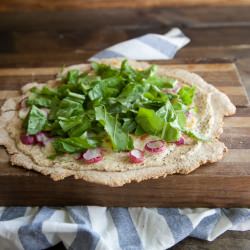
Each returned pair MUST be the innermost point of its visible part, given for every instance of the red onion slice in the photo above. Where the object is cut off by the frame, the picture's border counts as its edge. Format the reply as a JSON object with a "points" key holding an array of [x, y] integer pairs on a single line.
{"points": [[42, 138], [155, 146], [136, 156], [181, 141], [28, 139], [92, 155]]}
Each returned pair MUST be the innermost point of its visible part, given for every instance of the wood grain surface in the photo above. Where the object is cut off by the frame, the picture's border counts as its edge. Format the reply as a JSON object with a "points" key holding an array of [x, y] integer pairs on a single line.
{"points": [[41, 38], [231, 174], [30, 5]]}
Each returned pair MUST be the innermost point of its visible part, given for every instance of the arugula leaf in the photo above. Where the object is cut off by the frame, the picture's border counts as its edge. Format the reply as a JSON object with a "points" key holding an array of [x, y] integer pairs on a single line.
{"points": [[80, 128], [54, 128], [181, 118], [179, 106], [139, 131], [186, 94], [130, 93], [48, 91], [129, 125], [36, 120], [134, 75], [174, 122], [72, 76], [67, 108], [105, 88], [167, 112], [44, 97], [70, 122], [76, 97], [171, 134], [161, 82], [120, 140], [195, 135], [149, 121], [103, 70], [110, 102], [40, 101], [74, 144]]}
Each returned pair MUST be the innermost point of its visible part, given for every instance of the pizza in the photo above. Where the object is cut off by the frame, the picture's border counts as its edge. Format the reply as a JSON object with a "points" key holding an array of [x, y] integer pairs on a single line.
{"points": [[115, 121]]}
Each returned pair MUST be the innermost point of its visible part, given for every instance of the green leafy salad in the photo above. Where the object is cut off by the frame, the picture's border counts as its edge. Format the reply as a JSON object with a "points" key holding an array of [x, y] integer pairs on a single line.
{"points": [[109, 104]]}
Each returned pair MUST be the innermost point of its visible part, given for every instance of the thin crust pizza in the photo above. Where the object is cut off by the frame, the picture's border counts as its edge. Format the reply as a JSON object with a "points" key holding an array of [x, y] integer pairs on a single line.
{"points": [[115, 121]]}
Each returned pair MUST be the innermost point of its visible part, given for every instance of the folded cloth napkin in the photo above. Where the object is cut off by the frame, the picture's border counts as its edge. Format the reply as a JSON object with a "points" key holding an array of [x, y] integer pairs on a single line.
{"points": [[147, 47], [88, 227]]}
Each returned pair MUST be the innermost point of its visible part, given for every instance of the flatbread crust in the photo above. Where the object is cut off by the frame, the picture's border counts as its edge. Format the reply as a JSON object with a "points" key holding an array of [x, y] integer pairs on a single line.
{"points": [[116, 170]]}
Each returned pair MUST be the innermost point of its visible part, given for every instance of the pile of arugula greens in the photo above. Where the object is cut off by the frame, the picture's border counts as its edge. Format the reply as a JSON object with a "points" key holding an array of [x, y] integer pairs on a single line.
{"points": [[86, 108]]}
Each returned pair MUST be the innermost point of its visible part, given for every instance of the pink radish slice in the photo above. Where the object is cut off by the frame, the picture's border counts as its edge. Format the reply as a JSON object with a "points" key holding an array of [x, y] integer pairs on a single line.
{"points": [[28, 139], [181, 141], [42, 138], [92, 155], [136, 156], [155, 146]]}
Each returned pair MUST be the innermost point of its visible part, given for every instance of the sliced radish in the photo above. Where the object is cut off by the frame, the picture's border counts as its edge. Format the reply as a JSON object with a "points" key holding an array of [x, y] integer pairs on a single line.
{"points": [[23, 112], [28, 139], [92, 155], [42, 138], [155, 146], [136, 156], [181, 141]]}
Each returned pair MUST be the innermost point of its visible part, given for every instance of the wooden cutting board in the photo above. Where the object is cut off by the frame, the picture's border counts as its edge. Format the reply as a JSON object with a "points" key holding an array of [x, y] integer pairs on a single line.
{"points": [[223, 184]]}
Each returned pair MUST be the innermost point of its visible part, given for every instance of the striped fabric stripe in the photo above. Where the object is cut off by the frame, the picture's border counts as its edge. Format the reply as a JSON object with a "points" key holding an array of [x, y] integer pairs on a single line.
{"points": [[108, 54], [205, 227], [147, 47], [103, 224], [159, 43], [133, 228], [149, 223], [180, 224], [85, 237], [127, 234], [11, 213], [31, 235]]}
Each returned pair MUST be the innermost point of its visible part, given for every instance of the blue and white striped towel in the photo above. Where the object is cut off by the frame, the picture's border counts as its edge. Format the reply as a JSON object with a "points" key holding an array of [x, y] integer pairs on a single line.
{"points": [[87, 228], [101, 228], [147, 47]]}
